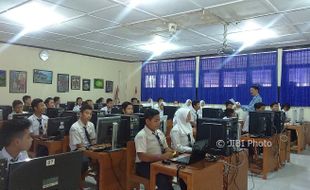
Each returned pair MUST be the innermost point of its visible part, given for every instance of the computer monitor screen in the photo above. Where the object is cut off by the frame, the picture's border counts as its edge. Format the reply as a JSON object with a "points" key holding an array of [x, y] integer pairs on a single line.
{"points": [[222, 135], [170, 111], [116, 110], [141, 120], [54, 123], [70, 105], [22, 115], [212, 113], [279, 120], [136, 108], [61, 172], [63, 106], [52, 112], [6, 110], [144, 108], [105, 129], [128, 129], [261, 124]]}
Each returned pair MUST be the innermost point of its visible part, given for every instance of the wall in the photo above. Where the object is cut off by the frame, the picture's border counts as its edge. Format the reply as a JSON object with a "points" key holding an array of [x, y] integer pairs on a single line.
{"points": [[13, 57]]}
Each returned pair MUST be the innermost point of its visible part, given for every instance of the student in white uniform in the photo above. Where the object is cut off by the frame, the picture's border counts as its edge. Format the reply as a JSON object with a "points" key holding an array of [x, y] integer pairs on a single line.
{"points": [[182, 133], [57, 101], [151, 146], [49, 102], [274, 106], [258, 107], [78, 104], [188, 104], [202, 105], [16, 140], [108, 108], [160, 106], [17, 109], [127, 108]]}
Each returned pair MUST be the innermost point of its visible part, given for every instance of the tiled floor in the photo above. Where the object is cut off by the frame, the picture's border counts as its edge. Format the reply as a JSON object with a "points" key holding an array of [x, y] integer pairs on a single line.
{"points": [[294, 176]]}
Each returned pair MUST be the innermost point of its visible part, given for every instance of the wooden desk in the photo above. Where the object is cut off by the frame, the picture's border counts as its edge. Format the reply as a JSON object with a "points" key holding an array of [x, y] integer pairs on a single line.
{"points": [[270, 160], [203, 175], [284, 147], [300, 131], [307, 133], [112, 169], [53, 147]]}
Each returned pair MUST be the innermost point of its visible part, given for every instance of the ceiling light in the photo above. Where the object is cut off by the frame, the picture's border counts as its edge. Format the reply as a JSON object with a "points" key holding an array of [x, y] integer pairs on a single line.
{"points": [[34, 15], [252, 34], [159, 46]]}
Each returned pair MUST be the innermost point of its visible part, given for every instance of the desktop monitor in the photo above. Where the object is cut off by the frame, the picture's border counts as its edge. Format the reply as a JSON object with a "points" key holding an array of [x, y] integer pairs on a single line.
{"points": [[261, 124], [70, 105], [22, 116], [222, 135], [136, 108], [6, 110], [105, 129], [63, 106], [52, 112], [279, 120], [61, 172], [53, 126], [212, 113], [170, 111], [128, 129], [141, 120], [144, 108], [116, 110]]}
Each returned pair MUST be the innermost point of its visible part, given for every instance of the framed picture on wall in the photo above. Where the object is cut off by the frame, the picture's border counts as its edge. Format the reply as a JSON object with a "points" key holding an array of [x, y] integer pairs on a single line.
{"points": [[86, 85], [99, 83], [62, 83], [109, 86], [42, 76], [18, 82], [2, 78], [75, 83]]}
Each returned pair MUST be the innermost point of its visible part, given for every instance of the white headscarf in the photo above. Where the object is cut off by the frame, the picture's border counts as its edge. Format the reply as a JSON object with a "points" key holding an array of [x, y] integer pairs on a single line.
{"points": [[180, 118], [188, 101], [149, 103], [202, 103]]}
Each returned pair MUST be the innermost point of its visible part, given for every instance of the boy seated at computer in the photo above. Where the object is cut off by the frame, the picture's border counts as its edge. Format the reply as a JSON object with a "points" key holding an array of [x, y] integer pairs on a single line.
{"points": [[260, 106], [17, 106], [127, 108], [151, 146], [16, 140], [182, 133]]}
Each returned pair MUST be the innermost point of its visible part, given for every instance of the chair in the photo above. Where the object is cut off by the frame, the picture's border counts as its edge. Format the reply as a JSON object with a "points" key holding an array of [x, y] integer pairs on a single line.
{"points": [[65, 145], [133, 180]]}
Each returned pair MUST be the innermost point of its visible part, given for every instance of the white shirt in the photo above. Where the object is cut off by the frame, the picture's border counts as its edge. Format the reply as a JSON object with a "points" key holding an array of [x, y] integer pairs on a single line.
{"points": [[146, 142], [35, 125], [76, 108], [106, 110], [179, 140], [246, 124], [22, 156], [194, 115], [77, 134], [10, 116]]}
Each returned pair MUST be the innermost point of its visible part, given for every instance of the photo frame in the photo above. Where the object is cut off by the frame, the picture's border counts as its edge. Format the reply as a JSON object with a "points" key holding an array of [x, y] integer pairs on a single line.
{"points": [[18, 82], [2, 78], [75, 83], [62, 83], [109, 86], [42, 76], [98, 83], [86, 85]]}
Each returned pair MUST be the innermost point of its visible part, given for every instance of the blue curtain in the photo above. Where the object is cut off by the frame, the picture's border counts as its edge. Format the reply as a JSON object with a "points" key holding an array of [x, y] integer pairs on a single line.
{"points": [[295, 86], [222, 78], [169, 79]]}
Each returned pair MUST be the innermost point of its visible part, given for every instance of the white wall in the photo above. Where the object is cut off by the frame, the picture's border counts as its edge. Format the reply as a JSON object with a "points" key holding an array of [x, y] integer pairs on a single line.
{"points": [[13, 57]]}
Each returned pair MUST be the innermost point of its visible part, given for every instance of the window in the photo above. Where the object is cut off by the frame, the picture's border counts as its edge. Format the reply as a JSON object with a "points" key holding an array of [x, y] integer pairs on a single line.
{"points": [[186, 80], [211, 80], [150, 81], [166, 81], [234, 79], [299, 77], [262, 77]]}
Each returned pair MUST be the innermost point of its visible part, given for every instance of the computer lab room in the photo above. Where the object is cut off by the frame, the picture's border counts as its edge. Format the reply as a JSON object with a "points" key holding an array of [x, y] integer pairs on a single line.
{"points": [[154, 94]]}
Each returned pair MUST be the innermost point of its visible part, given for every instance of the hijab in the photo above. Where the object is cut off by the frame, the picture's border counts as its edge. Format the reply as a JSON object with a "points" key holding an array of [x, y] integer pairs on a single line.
{"points": [[181, 124]]}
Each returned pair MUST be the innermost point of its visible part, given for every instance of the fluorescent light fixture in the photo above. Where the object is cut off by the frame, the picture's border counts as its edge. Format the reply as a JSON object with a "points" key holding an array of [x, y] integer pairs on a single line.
{"points": [[252, 34], [159, 46], [134, 3], [34, 16]]}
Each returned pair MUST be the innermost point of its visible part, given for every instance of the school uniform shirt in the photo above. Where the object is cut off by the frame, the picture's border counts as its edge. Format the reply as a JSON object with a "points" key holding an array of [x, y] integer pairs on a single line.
{"points": [[36, 125], [194, 115], [106, 110], [10, 116], [181, 132], [22, 156], [246, 124], [77, 134], [250, 107], [147, 142], [76, 108]]}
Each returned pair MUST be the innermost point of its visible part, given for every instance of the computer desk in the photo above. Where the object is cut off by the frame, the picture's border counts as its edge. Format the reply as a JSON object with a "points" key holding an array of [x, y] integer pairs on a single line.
{"points": [[112, 168], [53, 147], [307, 133], [301, 142], [284, 140], [270, 160]]}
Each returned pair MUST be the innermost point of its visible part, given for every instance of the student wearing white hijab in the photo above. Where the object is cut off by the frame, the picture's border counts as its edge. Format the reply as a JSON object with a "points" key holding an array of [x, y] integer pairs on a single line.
{"points": [[182, 138], [188, 104], [202, 105]]}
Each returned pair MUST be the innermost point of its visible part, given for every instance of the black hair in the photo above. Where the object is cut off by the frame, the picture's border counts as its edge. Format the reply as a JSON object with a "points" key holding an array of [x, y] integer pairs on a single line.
{"points": [[133, 99], [35, 102], [195, 102], [228, 103], [255, 87], [16, 103], [109, 100], [56, 98], [259, 105], [160, 99], [273, 103], [150, 113], [125, 105], [77, 99], [229, 112], [286, 105], [99, 100], [25, 98], [47, 100], [12, 129], [85, 107]]}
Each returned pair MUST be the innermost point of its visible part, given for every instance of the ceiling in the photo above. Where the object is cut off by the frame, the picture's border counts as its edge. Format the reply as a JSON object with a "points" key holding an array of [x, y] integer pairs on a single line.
{"points": [[111, 29]]}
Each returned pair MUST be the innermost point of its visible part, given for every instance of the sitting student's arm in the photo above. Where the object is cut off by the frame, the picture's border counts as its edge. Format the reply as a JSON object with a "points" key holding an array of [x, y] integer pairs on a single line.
{"points": [[175, 138], [75, 139], [93, 136]]}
